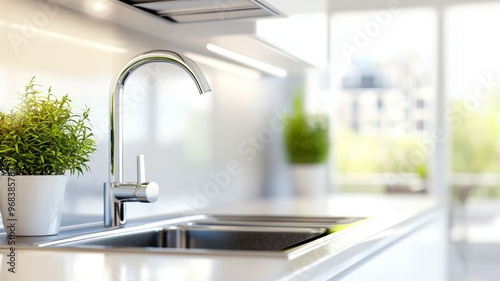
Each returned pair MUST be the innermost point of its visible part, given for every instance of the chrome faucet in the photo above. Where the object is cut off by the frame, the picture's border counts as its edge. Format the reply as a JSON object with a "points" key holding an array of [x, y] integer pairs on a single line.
{"points": [[117, 192]]}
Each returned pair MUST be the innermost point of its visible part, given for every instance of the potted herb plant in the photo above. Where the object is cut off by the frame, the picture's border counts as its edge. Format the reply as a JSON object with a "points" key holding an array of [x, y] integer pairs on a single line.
{"points": [[42, 140], [307, 145]]}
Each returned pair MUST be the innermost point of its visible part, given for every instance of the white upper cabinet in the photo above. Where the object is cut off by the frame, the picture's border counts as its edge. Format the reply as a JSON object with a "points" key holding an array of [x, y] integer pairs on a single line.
{"points": [[294, 38], [302, 36]]}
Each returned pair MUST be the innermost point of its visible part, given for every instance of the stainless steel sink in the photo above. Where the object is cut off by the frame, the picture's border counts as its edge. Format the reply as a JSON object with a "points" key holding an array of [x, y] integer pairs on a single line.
{"points": [[213, 232], [250, 238]]}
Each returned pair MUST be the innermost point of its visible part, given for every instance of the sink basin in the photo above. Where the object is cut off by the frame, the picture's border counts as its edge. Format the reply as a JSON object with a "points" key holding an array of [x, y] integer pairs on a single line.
{"points": [[278, 234], [251, 238]]}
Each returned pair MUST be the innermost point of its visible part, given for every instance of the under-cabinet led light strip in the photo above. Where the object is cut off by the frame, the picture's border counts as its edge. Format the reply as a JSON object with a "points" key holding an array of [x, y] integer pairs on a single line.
{"points": [[225, 66], [248, 61]]}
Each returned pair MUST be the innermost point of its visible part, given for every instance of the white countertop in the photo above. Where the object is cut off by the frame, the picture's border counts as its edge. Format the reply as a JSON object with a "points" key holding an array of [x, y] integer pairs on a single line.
{"points": [[393, 216]]}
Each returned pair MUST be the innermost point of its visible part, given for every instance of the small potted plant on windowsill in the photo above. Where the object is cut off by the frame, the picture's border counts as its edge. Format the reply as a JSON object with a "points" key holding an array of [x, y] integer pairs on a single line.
{"points": [[42, 139], [307, 144]]}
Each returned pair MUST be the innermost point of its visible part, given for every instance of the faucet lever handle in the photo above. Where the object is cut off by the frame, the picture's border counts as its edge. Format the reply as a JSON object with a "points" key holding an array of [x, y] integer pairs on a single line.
{"points": [[141, 170], [145, 191]]}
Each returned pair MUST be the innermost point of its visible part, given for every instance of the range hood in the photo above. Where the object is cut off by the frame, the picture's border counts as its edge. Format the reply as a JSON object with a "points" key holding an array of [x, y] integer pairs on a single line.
{"points": [[185, 11]]}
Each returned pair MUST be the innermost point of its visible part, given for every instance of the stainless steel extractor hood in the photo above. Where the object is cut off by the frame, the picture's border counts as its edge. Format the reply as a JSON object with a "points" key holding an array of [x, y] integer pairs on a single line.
{"points": [[184, 11]]}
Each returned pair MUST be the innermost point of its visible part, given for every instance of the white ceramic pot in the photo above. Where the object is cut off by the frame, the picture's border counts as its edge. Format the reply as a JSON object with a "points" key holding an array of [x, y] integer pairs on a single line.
{"points": [[32, 205], [310, 179]]}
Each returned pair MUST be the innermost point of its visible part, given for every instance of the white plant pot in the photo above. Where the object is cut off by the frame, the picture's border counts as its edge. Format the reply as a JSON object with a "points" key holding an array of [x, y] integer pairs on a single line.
{"points": [[310, 179], [32, 205]]}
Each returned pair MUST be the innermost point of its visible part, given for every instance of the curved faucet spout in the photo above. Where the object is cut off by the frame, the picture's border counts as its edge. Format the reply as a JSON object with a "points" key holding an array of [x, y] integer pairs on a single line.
{"points": [[114, 209], [161, 56]]}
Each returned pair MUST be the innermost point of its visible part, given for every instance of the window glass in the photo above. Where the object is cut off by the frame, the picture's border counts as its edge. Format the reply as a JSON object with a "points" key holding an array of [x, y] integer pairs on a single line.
{"points": [[383, 69], [473, 83]]}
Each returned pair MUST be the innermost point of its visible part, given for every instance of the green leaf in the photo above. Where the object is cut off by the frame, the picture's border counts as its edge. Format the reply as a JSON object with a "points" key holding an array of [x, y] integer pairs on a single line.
{"points": [[44, 135], [306, 136]]}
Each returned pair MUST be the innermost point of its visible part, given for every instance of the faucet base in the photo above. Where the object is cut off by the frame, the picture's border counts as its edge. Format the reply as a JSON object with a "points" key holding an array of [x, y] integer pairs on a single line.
{"points": [[114, 210]]}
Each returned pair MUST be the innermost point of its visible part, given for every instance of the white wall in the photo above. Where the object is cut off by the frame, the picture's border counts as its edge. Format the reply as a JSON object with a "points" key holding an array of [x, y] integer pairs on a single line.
{"points": [[184, 137]]}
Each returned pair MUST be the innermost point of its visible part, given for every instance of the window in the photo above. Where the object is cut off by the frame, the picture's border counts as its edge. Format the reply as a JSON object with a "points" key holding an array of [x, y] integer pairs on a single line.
{"points": [[473, 75], [420, 103], [420, 125], [386, 69]]}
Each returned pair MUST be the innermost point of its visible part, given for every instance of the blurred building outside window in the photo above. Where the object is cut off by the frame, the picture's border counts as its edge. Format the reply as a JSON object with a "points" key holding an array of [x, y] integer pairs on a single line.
{"points": [[383, 75]]}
